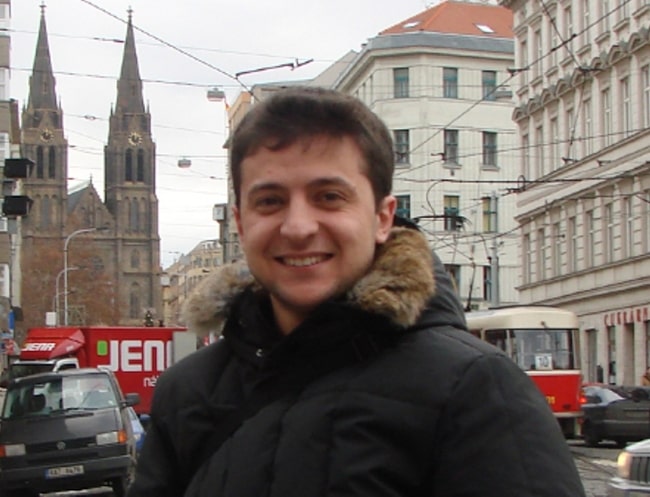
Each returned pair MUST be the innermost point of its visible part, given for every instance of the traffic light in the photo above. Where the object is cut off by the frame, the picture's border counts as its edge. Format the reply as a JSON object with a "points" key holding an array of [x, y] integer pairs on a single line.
{"points": [[15, 169], [18, 168]]}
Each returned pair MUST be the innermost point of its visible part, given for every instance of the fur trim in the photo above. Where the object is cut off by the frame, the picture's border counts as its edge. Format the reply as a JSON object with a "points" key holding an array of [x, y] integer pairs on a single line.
{"points": [[398, 285]]}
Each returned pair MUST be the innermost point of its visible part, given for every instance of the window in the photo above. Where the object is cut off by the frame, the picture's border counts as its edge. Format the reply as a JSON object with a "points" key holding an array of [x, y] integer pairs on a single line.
{"points": [[572, 257], [489, 214], [402, 146], [450, 82], [403, 206], [605, 13], [607, 117], [627, 107], [525, 144], [134, 301], [51, 166], [451, 145], [45, 212], [489, 83], [135, 259], [39, 163], [128, 165], [489, 148], [487, 283], [554, 42], [539, 145], [628, 215], [453, 270], [5, 281], [453, 221], [609, 219], [645, 105], [539, 53], [541, 255], [590, 245], [568, 27], [587, 127], [528, 257], [523, 64], [558, 237], [555, 144], [585, 27], [401, 82], [140, 170]]}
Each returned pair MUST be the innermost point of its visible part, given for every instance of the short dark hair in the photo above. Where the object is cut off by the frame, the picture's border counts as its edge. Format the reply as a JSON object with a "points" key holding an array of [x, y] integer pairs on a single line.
{"points": [[296, 113]]}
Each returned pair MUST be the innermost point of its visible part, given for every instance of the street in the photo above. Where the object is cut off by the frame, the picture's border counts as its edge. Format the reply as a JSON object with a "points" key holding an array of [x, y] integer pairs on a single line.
{"points": [[596, 466]]}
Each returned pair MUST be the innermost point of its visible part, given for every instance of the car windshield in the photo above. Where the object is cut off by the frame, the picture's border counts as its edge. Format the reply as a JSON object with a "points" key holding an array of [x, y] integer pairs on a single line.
{"points": [[59, 394], [18, 370]]}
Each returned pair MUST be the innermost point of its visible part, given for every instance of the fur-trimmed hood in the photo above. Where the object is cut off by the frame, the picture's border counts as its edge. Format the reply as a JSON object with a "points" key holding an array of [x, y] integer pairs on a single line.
{"points": [[398, 286]]}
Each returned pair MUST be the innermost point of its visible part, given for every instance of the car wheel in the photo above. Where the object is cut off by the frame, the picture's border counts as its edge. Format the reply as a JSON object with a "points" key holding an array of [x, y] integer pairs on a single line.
{"points": [[591, 437], [121, 485]]}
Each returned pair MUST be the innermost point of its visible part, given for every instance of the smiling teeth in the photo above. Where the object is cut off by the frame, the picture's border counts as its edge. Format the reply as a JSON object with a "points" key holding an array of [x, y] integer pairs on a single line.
{"points": [[303, 261]]}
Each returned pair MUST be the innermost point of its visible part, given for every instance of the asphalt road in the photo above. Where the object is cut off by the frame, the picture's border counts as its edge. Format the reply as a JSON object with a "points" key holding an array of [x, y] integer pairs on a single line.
{"points": [[595, 465]]}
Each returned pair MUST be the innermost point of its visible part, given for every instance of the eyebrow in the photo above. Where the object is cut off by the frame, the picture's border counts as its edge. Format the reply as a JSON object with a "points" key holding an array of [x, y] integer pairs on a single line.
{"points": [[319, 182]]}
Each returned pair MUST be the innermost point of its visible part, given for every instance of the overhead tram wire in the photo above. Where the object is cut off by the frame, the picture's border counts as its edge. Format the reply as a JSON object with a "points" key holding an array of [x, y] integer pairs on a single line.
{"points": [[170, 45]]}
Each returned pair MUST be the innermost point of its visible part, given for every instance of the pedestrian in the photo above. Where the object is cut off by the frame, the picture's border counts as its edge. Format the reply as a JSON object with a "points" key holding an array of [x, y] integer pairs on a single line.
{"points": [[645, 379], [344, 367]]}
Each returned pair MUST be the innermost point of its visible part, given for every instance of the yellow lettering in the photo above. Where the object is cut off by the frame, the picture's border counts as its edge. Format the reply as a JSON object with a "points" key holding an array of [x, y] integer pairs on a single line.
{"points": [[550, 399]]}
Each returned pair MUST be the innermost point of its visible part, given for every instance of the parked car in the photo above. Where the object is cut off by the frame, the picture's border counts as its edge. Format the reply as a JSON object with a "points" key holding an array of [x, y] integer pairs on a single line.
{"points": [[633, 478], [138, 430], [617, 413], [66, 430]]}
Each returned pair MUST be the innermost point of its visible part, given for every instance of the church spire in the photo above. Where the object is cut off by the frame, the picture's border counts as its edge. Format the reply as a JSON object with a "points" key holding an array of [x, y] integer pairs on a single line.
{"points": [[129, 86], [42, 93]]}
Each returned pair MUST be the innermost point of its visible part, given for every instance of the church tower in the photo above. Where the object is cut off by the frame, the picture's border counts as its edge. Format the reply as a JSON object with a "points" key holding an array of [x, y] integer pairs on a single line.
{"points": [[43, 142], [130, 192]]}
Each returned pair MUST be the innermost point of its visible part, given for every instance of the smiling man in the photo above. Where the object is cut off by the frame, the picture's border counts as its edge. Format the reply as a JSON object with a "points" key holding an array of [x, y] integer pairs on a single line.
{"points": [[344, 367]]}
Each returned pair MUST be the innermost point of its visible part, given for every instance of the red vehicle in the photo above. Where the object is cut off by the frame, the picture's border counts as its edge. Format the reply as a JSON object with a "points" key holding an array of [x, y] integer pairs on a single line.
{"points": [[543, 341], [137, 355]]}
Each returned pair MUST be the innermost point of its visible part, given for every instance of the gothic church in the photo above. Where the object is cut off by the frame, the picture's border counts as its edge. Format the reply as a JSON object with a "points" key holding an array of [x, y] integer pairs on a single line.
{"points": [[128, 242]]}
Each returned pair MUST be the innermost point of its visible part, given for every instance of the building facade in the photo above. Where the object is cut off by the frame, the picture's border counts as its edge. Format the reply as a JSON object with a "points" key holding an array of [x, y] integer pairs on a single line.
{"points": [[125, 223], [180, 279], [440, 82], [583, 117]]}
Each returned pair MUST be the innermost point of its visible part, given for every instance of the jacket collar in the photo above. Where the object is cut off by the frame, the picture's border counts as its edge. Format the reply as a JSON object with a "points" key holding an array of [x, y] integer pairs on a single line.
{"points": [[398, 285]]}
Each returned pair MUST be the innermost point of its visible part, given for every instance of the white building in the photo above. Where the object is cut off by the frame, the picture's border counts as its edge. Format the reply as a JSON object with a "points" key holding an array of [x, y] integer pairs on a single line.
{"points": [[439, 80], [583, 112]]}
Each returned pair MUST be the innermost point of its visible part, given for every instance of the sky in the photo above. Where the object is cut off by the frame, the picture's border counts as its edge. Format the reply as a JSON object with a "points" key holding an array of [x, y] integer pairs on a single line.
{"points": [[184, 48]]}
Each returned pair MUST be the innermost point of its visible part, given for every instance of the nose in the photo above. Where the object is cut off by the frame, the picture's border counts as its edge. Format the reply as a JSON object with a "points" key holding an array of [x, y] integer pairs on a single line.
{"points": [[299, 222]]}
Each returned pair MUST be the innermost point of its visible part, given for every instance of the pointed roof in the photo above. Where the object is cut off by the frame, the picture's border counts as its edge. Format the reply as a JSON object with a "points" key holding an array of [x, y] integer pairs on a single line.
{"points": [[42, 93], [457, 17], [129, 86]]}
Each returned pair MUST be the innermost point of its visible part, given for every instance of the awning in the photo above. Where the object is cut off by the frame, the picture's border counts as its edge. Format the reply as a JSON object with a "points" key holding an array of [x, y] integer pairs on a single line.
{"points": [[50, 343]]}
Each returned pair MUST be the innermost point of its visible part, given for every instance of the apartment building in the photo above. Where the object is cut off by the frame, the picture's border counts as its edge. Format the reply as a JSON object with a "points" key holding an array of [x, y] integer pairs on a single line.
{"points": [[440, 81], [583, 116]]}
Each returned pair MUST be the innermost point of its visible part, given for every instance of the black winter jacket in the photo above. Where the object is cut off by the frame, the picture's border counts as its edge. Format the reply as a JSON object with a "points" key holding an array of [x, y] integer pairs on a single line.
{"points": [[400, 401]]}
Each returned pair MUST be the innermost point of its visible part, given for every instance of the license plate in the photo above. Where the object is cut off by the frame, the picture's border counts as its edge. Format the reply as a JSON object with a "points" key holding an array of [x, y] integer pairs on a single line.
{"points": [[64, 471]]}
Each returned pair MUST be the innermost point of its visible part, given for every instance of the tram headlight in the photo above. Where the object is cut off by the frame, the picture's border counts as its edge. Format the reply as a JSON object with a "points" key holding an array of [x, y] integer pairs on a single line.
{"points": [[623, 464]]}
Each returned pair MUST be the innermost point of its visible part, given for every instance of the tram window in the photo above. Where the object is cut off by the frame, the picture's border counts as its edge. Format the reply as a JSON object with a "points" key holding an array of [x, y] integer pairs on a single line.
{"points": [[497, 338]]}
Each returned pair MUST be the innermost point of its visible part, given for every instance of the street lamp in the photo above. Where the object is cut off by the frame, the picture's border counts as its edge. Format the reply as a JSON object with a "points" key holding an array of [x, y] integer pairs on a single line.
{"points": [[56, 305], [65, 267]]}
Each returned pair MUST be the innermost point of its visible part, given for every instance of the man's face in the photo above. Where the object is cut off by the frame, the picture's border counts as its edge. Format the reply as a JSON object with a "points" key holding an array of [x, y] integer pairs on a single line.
{"points": [[308, 223]]}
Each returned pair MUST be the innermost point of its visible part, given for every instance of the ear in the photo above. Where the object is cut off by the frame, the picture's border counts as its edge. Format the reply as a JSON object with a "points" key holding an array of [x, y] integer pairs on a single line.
{"points": [[385, 214]]}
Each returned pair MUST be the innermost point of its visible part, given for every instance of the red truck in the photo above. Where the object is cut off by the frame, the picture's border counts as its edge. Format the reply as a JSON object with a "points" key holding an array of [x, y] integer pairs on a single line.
{"points": [[137, 355]]}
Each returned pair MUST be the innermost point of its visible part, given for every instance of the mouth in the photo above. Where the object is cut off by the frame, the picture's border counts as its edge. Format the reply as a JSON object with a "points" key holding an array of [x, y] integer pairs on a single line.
{"points": [[303, 261]]}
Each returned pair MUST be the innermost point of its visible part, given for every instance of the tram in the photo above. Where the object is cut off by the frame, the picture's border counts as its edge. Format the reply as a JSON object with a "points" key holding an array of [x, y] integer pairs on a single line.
{"points": [[543, 341]]}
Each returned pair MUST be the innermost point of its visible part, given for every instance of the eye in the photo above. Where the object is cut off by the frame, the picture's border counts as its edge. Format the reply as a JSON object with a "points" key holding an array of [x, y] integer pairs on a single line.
{"points": [[267, 202], [330, 198]]}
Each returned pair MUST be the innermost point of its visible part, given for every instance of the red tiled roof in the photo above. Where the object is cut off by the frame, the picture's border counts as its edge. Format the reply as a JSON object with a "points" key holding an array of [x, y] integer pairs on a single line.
{"points": [[458, 18]]}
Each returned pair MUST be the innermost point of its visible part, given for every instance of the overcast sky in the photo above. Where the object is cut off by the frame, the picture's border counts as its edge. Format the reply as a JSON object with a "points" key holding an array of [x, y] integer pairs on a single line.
{"points": [[223, 37]]}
